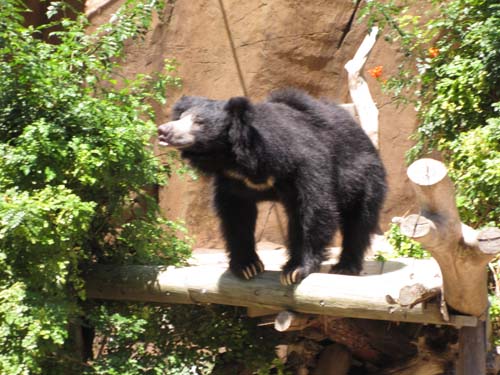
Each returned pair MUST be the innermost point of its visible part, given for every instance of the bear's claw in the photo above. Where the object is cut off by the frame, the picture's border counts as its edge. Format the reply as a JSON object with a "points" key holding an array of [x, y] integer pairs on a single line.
{"points": [[250, 271], [291, 277]]}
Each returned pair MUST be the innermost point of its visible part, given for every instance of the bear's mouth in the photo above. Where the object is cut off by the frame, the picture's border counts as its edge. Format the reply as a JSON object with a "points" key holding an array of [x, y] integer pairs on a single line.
{"points": [[177, 134], [163, 141], [166, 141]]}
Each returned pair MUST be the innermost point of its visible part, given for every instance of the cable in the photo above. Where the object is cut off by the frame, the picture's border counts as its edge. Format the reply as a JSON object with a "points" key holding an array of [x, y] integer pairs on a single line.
{"points": [[233, 49]]}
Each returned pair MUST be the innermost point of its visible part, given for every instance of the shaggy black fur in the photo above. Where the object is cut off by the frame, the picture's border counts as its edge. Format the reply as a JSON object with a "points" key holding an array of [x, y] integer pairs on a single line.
{"points": [[308, 154]]}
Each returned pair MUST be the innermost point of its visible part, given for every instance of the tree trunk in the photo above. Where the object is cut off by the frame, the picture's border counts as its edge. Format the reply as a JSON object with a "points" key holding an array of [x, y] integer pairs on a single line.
{"points": [[461, 252], [472, 350]]}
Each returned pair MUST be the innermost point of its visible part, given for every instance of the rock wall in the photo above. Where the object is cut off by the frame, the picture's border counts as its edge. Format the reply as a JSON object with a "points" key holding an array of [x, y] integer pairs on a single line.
{"points": [[279, 43]]}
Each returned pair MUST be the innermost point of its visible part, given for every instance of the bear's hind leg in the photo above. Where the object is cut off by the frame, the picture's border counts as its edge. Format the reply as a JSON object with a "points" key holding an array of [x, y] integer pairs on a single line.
{"points": [[238, 216], [357, 228]]}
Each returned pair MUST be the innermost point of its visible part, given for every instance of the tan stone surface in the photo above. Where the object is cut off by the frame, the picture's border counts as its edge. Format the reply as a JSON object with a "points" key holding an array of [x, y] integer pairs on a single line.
{"points": [[279, 43]]}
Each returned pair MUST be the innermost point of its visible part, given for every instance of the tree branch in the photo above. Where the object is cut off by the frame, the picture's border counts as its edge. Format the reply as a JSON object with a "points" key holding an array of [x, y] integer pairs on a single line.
{"points": [[461, 251]]}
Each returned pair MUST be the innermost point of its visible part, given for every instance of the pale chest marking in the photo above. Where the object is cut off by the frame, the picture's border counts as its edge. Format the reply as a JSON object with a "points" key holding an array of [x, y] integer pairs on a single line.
{"points": [[250, 184]]}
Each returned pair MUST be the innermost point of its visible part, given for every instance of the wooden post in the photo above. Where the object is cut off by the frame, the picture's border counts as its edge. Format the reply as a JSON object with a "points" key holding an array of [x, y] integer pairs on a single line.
{"points": [[462, 253], [472, 350]]}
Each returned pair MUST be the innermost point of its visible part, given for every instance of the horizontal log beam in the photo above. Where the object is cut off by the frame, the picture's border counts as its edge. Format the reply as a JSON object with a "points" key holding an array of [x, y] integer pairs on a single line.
{"points": [[324, 294]]}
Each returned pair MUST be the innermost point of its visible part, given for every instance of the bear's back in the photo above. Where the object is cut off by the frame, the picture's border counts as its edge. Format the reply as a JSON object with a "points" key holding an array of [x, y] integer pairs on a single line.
{"points": [[330, 122]]}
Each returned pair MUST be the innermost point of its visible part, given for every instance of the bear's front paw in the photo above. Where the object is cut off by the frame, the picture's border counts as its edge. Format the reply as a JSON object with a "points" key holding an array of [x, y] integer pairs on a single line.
{"points": [[247, 271], [292, 276], [294, 272], [346, 269]]}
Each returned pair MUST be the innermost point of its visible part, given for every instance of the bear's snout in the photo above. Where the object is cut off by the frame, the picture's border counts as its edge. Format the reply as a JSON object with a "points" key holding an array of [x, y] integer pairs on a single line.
{"points": [[164, 134], [178, 134]]}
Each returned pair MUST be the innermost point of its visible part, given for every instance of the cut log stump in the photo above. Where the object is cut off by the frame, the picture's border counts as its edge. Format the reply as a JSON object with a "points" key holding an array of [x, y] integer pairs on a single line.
{"points": [[462, 253]]}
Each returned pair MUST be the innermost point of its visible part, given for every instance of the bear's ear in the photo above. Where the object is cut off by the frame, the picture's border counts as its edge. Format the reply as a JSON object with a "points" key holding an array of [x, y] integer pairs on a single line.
{"points": [[181, 106], [242, 135], [185, 103], [238, 106], [239, 110]]}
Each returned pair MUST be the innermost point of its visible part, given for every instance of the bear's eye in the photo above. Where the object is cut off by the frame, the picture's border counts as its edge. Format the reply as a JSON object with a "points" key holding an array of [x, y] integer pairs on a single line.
{"points": [[195, 118], [198, 120]]}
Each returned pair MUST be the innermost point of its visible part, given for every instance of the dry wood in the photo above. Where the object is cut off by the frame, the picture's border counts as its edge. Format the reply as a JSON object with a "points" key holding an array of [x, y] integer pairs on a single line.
{"points": [[255, 312], [302, 355], [358, 88], [349, 334], [373, 341], [335, 359], [472, 350], [290, 321], [348, 296], [462, 252], [411, 295], [418, 366]]}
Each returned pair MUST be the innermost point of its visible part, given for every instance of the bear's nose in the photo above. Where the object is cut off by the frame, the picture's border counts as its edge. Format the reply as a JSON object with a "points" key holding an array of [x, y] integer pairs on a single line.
{"points": [[165, 133], [164, 129]]}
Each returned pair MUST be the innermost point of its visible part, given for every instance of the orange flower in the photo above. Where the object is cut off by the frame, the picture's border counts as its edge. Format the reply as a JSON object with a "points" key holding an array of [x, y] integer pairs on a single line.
{"points": [[376, 72], [433, 52]]}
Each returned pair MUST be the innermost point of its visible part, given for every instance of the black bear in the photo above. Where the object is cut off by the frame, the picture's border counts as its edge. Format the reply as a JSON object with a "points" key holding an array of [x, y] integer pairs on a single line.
{"points": [[309, 154]]}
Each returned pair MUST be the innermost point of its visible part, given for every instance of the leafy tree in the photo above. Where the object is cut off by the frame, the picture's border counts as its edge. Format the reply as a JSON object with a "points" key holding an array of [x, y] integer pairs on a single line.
{"points": [[75, 166], [453, 78], [75, 159]]}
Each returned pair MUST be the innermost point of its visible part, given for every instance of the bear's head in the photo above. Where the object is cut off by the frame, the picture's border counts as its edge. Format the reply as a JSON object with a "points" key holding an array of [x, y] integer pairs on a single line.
{"points": [[205, 126]]}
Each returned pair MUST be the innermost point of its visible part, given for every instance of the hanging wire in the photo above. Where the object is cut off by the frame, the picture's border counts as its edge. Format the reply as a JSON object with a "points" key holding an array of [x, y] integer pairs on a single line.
{"points": [[233, 49]]}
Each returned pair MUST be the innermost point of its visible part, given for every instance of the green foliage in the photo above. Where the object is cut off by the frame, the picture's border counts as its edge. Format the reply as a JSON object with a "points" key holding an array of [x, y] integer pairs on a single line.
{"points": [[475, 168], [404, 246], [144, 339], [76, 167], [495, 318], [75, 158], [40, 236], [455, 86]]}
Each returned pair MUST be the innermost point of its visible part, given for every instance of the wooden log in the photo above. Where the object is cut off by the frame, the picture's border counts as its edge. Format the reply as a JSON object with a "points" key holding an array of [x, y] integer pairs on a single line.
{"points": [[472, 350], [333, 360], [359, 90], [255, 312], [461, 252], [420, 365], [347, 333], [343, 296], [290, 321]]}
